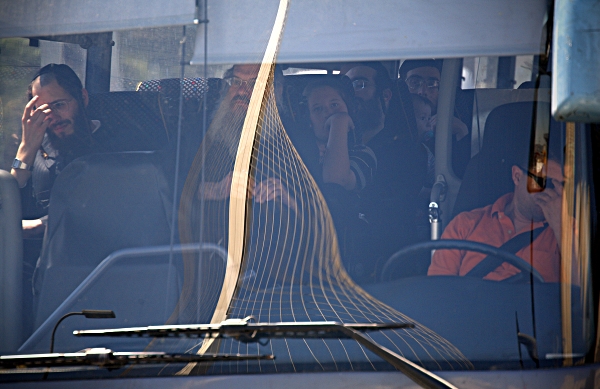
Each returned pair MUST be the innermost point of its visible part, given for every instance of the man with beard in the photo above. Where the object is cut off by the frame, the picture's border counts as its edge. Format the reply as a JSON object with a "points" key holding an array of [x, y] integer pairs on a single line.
{"points": [[389, 205], [55, 131], [423, 78], [531, 214], [223, 136]]}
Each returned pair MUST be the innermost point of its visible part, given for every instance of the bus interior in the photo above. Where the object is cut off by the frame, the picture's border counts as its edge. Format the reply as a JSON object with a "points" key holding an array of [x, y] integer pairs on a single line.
{"points": [[134, 227]]}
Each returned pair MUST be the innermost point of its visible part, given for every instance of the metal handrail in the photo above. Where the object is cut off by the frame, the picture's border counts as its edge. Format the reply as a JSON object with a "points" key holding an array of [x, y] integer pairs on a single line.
{"points": [[47, 325]]}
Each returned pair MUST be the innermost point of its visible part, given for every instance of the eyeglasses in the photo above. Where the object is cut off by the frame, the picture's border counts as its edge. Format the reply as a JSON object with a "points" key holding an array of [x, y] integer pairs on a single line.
{"points": [[415, 83], [59, 106], [541, 182], [360, 84], [237, 82]]}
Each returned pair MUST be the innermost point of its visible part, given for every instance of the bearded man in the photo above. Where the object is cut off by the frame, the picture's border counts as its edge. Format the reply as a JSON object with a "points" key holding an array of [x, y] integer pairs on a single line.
{"points": [[388, 128], [55, 131]]}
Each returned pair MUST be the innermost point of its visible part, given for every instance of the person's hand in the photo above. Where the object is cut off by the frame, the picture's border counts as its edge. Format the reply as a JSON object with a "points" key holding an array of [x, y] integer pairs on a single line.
{"points": [[271, 189], [459, 129], [550, 201], [34, 123], [215, 190], [433, 122], [33, 228], [221, 190], [339, 121]]}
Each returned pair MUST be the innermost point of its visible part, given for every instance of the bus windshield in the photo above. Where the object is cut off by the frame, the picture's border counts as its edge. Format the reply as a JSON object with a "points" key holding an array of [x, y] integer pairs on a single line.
{"points": [[178, 176]]}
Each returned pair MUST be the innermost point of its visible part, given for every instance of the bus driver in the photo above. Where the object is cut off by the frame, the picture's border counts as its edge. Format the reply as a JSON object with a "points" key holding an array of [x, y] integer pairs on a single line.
{"points": [[519, 212]]}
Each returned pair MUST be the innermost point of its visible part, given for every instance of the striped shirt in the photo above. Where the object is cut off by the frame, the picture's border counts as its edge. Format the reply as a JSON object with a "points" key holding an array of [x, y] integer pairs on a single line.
{"points": [[363, 163]]}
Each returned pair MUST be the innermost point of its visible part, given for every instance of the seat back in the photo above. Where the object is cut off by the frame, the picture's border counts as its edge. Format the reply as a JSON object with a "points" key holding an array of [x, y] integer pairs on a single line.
{"points": [[147, 119], [506, 142], [100, 203], [130, 121]]}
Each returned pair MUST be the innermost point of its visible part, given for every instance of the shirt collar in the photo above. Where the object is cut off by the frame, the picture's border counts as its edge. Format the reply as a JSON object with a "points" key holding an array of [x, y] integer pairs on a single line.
{"points": [[500, 205]]}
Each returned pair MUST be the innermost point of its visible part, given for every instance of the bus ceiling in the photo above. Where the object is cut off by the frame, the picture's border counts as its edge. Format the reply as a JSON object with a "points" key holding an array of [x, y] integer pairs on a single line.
{"points": [[239, 30], [34, 18], [355, 30]]}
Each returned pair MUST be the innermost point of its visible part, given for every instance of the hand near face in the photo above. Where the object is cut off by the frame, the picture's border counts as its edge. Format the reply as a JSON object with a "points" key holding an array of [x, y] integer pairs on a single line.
{"points": [[550, 201], [339, 122], [34, 124]]}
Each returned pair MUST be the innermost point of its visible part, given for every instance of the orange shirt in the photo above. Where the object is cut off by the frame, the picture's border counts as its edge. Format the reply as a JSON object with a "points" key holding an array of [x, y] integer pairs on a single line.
{"points": [[491, 226]]}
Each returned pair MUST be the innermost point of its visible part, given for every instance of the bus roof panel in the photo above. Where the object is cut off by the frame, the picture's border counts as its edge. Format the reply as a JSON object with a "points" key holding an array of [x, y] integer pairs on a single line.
{"points": [[353, 30], [33, 18]]}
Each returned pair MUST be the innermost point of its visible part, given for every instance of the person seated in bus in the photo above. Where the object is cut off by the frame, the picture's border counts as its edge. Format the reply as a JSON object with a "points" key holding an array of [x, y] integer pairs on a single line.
{"points": [[344, 160], [346, 165], [537, 214], [423, 110], [55, 130], [423, 78], [223, 136], [389, 205]]}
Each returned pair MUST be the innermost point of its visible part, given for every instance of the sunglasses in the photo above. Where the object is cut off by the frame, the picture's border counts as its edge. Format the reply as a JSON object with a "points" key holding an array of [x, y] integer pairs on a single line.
{"points": [[541, 182]]}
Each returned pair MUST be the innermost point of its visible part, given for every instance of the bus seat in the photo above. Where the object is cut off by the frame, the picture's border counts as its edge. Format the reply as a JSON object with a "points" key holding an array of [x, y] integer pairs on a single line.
{"points": [[193, 88], [100, 203], [147, 119], [506, 141], [11, 263], [192, 111], [132, 120], [193, 92]]}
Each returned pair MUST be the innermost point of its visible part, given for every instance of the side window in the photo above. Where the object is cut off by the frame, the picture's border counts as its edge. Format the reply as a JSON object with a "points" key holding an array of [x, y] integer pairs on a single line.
{"points": [[18, 63]]}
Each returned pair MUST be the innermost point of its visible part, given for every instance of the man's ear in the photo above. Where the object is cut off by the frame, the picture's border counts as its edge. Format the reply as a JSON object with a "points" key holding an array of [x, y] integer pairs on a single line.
{"points": [[387, 95], [85, 97], [517, 175]]}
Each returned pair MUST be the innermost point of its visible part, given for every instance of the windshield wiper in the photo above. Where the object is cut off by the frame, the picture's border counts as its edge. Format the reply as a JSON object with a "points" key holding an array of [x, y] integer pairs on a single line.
{"points": [[245, 331], [106, 358]]}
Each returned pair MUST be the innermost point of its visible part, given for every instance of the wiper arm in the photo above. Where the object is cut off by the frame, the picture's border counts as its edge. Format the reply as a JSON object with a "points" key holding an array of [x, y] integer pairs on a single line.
{"points": [[245, 331], [108, 359]]}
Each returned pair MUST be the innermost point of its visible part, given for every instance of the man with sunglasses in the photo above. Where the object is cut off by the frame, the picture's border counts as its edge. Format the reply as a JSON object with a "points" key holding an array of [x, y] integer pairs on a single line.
{"points": [[533, 208], [55, 131]]}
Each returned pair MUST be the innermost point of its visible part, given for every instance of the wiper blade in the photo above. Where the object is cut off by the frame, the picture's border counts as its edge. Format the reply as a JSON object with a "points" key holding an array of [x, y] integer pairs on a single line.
{"points": [[245, 331], [106, 358]]}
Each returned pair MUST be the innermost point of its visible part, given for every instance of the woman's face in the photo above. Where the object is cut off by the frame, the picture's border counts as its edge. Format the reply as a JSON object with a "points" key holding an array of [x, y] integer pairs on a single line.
{"points": [[322, 103]]}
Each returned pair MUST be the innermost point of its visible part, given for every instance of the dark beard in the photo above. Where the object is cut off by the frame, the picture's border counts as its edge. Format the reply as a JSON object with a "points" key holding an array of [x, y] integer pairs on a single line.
{"points": [[370, 114], [76, 145]]}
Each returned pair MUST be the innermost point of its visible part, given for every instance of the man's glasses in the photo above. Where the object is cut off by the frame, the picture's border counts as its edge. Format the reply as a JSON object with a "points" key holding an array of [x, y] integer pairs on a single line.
{"points": [[59, 106], [237, 82], [541, 182], [360, 84], [415, 83]]}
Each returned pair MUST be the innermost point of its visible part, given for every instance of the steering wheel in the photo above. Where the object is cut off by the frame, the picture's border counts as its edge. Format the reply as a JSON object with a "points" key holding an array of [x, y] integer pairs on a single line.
{"points": [[504, 256]]}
